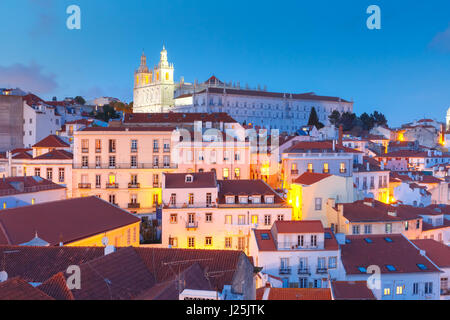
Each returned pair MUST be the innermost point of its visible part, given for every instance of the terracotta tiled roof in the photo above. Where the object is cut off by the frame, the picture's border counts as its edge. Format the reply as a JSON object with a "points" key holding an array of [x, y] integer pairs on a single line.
{"points": [[175, 117], [63, 221], [309, 178], [22, 155], [438, 252], [428, 226], [280, 95], [127, 128], [383, 250], [267, 243], [19, 185], [52, 141], [304, 226], [55, 155], [32, 100], [294, 293], [351, 290], [19, 289], [200, 180], [361, 211], [440, 208], [246, 188], [56, 287]]}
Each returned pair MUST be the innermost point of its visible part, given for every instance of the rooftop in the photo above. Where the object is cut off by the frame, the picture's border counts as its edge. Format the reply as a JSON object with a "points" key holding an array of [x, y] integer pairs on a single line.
{"points": [[351, 290], [190, 180], [175, 117], [18, 185], [51, 141]]}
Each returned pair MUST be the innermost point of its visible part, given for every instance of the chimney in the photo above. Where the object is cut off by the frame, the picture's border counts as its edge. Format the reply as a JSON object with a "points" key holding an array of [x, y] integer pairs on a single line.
{"points": [[368, 166], [109, 249], [341, 133], [334, 145]]}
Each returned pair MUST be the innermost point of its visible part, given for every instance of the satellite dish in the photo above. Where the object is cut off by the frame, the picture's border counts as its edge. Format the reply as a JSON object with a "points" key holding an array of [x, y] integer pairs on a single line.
{"points": [[3, 276], [109, 249], [105, 241]]}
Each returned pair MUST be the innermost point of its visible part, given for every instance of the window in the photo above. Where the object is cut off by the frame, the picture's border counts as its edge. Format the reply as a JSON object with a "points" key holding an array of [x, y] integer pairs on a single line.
{"points": [[267, 219], [300, 241], [133, 145], [388, 228], [399, 290], [61, 174], [390, 267], [243, 199], [368, 229], [173, 199], [303, 282], [112, 199], [173, 242], [241, 243], [237, 173], [133, 161], [155, 145], [112, 161], [208, 241], [313, 240], [310, 167], [226, 173], [112, 145], [355, 229], [254, 219], [318, 204], [422, 266], [191, 198], [98, 161], [166, 161], [228, 219], [280, 217], [241, 219], [418, 224], [228, 242], [98, 181], [387, 291], [428, 287], [191, 242], [208, 198], [98, 145], [362, 269], [37, 172], [173, 218], [415, 288], [84, 145], [208, 217], [406, 225], [332, 262], [84, 161], [326, 168], [49, 174]]}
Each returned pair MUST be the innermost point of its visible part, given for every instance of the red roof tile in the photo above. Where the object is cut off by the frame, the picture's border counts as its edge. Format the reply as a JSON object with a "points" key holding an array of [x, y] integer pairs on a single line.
{"points": [[18, 289], [294, 293], [351, 290], [63, 221], [304, 226], [319, 147], [56, 287], [246, 188], [309, 178], [51, 141], [438, 252], [199, 180], [19, 185], [55, 155]]}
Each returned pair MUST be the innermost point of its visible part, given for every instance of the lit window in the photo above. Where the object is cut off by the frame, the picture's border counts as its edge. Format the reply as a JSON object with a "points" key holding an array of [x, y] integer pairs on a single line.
{"points": [[254, 219], [226, 173], [390, 267], [399, 290], [326, 168], [173, 218], [387, 291]]}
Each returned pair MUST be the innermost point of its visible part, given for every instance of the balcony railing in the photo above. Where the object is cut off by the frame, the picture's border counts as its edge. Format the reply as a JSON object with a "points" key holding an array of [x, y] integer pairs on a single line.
{"points": [[84, 186], [326, 171], [343, 170], [98, 150], [132, 185], [191, 225], [321, 270], [134, 205], [112, 186], [134, 150], [303, 270], [166, 150], [285, 270], [296, 246], [8, 192], [157, 185], [310, 170], [85, 150], [126, 166], [155, 150]]}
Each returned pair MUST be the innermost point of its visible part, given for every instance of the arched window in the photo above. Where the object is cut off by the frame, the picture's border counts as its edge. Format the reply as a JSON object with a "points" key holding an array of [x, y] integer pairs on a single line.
{"points": [[167, 76]]}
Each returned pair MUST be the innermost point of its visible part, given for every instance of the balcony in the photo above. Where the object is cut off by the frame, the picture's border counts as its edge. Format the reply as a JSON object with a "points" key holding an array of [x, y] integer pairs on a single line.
{"points": [[134, 205], [192, 225], [285, 270], [112, 186], [132, 185], [155, 150], [166, 150], [112, 150], [294, 171], [134, 150], [84, 186], [125, 166], [303, 270], [321, 270], [85, 150], [157, 185], [296, 246], [98, 150]]}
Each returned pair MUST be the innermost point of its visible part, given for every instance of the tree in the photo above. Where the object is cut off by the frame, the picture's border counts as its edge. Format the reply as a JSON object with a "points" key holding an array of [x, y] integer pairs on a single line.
{"points": [[348, 120], [314, 119], [367, 121], [79, 100], [379, 119], [120, 106], [335, 118], [107, 114]]}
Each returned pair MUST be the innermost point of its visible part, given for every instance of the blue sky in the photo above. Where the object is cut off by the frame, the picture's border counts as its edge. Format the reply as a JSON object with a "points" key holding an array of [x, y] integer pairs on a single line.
{"points": [[402, 70]]}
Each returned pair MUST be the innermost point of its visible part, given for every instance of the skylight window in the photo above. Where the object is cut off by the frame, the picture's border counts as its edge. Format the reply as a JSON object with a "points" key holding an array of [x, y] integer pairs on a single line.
{"points": [[368, 240], [388, 239], [362, 269], [390, 267], [265, 236], [348, 241], [422, 266]]}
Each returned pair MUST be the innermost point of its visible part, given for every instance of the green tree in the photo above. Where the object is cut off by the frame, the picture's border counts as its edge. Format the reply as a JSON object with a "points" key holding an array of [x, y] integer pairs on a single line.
{"points": [[79, 100], [335, 118], [314, 119]]}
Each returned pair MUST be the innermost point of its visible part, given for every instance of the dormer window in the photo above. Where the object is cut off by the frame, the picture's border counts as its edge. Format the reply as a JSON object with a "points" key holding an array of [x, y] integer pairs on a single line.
{"points": [[189, 178], [243, 199], [256, 198], [229, 199], [269, 199]]}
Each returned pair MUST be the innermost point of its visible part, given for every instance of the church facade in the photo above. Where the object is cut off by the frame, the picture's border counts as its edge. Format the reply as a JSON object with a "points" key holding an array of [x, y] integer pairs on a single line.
{"points": [[154, 89]]}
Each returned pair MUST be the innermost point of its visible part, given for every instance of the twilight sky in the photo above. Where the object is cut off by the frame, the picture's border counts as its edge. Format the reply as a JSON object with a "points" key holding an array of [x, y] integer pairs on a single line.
{"points": [[402, 70]]}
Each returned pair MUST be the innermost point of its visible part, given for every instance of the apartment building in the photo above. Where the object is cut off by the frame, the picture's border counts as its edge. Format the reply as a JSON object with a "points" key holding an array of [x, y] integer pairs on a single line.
{"points": [[302, 253], [371, 180], [202, 212], [122, 165]]}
